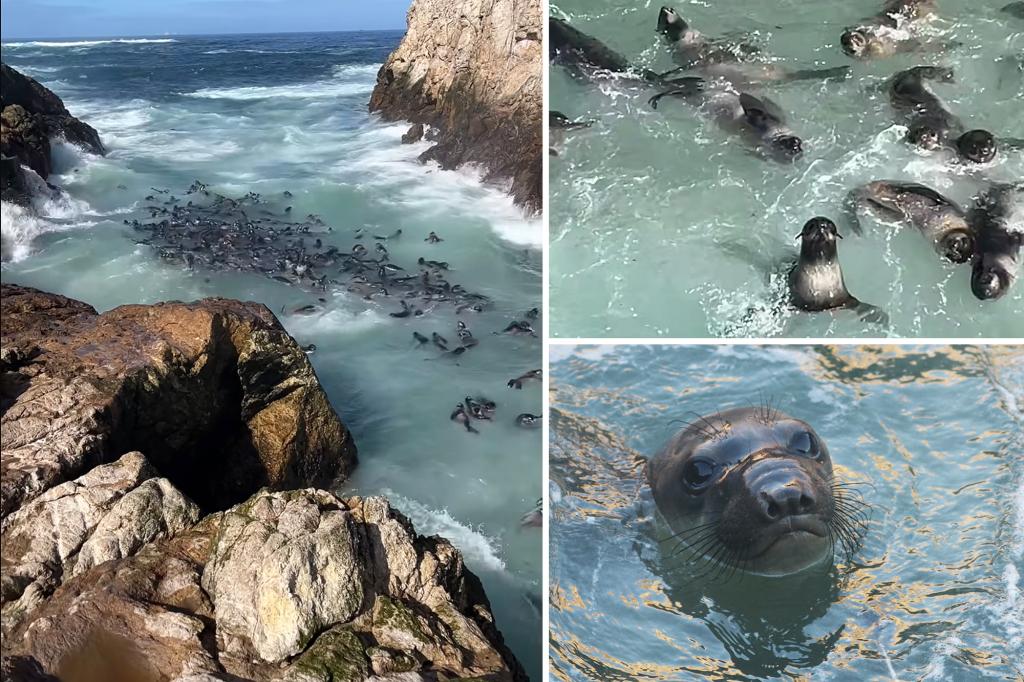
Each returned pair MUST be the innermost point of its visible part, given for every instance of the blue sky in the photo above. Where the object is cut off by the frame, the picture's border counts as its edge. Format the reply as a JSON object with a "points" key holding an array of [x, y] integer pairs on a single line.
{"points": [[109, 18]]}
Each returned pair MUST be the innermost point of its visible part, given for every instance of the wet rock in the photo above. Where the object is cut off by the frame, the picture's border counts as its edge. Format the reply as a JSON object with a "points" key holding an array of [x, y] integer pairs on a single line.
{"points": [[414, 134], [472, 70], [109, 513], [300, 586], [215, 393], [14, 186]]}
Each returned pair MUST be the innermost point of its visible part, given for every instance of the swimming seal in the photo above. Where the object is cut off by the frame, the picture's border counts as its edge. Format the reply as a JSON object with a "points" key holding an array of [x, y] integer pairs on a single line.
{"points": [[816, 281], [558, 125], [753, 489], [736, 62], [759, 120], [883, 34], [939, 219], [930, 124], [997, 261]]}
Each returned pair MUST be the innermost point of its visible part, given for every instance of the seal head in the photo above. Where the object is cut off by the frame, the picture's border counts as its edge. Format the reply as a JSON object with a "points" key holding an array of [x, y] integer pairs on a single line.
{"points": [[752, 489], [670, 24], [854, 42], [978, 146]]}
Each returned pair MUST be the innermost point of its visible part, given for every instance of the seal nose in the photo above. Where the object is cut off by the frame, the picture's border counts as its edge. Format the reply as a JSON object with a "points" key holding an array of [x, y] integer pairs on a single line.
{"points": [[787, 499]]}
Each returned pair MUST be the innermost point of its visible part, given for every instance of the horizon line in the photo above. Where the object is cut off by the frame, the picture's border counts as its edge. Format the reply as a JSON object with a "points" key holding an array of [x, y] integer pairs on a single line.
{"points": [[4, 39]]}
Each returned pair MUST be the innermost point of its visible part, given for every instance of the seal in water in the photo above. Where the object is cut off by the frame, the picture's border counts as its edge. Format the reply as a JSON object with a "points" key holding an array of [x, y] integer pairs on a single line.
{"points": [[1015, 9], [930, 124], [816, 281], [884, 34], [740, 63], [759, 120], [997, 261], [752, 489], [529, 421], [939, 219]]}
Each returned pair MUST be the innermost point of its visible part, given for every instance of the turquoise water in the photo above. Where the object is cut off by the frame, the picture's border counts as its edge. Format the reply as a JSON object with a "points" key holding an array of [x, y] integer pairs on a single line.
{"points": [[935, 592], [642, 202], [288, 112]]}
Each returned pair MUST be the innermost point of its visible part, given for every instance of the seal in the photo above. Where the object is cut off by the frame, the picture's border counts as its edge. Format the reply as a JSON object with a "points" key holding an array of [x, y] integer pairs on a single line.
{"points": [[1015, 9], [997, 263], [758, 120], [884, 34], [930, 125], [753, 489], [816, 281], [938, 218], [558, 125], [737, 62]]}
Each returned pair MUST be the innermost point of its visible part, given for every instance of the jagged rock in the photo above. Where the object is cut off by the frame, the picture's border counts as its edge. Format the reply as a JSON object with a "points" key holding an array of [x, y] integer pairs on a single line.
{"points": [[472, 69], [109, 513], [299, 586], [414, 134], [14, 186], [215, 393]]}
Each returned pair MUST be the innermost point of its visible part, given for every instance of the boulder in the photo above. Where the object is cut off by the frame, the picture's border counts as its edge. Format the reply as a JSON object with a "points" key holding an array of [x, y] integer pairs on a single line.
{"points": [[300, 586], [473, 70], [109, 513], [414, 134], [30, 115], [218, 396]]}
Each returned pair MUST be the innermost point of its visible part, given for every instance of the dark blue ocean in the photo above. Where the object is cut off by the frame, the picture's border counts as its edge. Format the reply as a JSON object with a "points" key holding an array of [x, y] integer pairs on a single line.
{"points": [[276, 113]]}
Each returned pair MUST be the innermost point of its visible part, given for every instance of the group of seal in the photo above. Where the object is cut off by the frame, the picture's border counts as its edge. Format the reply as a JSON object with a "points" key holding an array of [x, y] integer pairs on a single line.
{"points": [[719, 76], [211, 231], [753, 489]]}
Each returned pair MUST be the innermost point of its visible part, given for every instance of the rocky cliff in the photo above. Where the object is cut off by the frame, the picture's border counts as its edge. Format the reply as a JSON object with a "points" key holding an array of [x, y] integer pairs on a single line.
{"points": [[30, 115], [157, 522], [472, 69]]}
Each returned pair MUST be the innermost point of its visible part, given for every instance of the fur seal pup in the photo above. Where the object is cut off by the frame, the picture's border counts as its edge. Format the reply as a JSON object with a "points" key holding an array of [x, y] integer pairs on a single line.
{"points": [[588, 56], [885, 34], [752, 489], [517, 383], [938, 218], [529, 421], [930, 124], [738, 62], [758, 120], [997, 260], [816, 281]]}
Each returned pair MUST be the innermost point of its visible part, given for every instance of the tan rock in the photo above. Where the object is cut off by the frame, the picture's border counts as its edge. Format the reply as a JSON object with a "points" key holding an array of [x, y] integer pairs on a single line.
{"points": [[215, 393], [473, 70]]}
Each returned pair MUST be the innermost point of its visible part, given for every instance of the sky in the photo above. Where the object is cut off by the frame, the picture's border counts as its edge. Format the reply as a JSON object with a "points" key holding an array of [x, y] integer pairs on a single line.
{"points": [[121, 18]]}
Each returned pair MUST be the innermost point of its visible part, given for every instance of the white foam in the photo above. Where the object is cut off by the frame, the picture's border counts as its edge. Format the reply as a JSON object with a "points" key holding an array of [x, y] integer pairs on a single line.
{"points": [[479, 550], [349, 79], [51, 211], [89, 43]]}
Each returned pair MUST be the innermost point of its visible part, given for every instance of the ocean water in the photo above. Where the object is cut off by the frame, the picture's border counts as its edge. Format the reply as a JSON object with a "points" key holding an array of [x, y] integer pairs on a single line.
{"points": [[276, 113], [646, 204], [934, 434]]}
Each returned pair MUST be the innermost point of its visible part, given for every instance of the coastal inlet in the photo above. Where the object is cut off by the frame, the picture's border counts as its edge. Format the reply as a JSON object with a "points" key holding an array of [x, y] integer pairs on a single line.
{"points": [[249, 167]]}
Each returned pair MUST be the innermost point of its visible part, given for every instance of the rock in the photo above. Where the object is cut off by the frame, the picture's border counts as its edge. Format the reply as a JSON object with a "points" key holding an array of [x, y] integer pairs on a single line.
{"points": [[109, 513], [472, 69], [30, 115], [299, 586], [414, 134], [13, 184], [215, 393]]}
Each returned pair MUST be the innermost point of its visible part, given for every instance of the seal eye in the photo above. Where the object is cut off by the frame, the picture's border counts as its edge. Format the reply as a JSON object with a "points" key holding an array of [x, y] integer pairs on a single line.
{"points": [[698, 473], [805, 443]]}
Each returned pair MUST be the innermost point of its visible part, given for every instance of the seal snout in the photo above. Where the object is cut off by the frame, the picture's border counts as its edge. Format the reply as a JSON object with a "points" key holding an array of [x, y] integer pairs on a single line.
{"points": [[782, 488], [670, 23]]}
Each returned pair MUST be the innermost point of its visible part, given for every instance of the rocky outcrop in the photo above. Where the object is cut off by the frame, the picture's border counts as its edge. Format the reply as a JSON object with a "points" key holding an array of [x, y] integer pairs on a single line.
{"points": [[109, 513], [30, 115], [300, 586], [472, 70], [215, 393]]}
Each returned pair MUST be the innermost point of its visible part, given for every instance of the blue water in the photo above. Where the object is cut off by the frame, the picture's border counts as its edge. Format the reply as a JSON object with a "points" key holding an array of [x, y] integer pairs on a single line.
{"points": [[935, 593], [647, 205], [270, 113]]}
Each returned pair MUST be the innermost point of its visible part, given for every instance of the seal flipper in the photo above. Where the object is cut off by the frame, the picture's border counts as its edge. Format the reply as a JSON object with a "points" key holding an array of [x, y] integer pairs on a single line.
{"points": [[869, 313], [685, 87], [758, 111], [838, 73], [855, 199]]}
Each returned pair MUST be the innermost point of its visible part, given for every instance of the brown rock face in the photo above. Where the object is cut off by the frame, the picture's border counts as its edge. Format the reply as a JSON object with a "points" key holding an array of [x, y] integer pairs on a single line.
{"points": [[215, 394], [297, 586], [472, 69]]}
